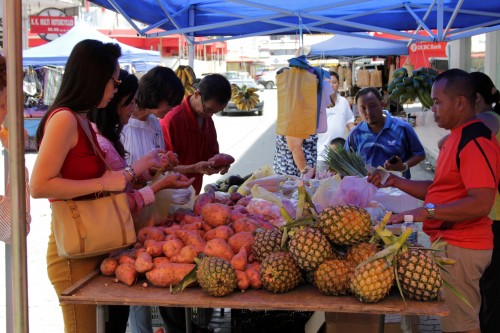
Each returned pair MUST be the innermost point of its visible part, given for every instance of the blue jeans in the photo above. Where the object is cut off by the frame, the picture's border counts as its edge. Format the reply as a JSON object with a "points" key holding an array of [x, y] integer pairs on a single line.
{"points": [[140, 319]]}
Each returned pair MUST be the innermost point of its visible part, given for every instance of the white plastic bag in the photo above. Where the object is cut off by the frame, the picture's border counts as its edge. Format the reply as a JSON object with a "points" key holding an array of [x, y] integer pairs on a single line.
{"points": [[325, 194], [355, 191]]}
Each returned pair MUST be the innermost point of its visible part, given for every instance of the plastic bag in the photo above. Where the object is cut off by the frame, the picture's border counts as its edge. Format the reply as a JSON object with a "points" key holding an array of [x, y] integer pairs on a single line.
{"points": [[354, 191], [31, 85], [265, 208], [325, 194]]}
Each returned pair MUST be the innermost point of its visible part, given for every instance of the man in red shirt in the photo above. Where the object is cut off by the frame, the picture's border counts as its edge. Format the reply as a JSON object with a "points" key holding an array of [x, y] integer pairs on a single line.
{"points": [[457, 202], [189, 130]]}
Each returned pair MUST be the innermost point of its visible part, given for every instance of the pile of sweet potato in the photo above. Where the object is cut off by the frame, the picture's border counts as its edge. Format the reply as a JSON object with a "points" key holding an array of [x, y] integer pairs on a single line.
{"points": [[219, 227]]}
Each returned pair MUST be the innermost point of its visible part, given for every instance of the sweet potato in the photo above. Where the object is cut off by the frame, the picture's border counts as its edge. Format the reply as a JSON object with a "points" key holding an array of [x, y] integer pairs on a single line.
{"points": [[235, 215], [192, 237], [188, 219], [205, 227], [221, 160], [244, 224], [172, 247], [171, 237], [215, 214], [243, 280], [222, 231], [235, 196], [202, 200], [126, 274], [193, 226], [155, 233], [186, 255], [255, 265], [239, 260], [108, 266], [254, 277], [180, 214], [126, 259], [240, 208], [144, 263], [168, 274], [244, 201], [172, 230], [241, 239], [218, 248], [160, 260], [154, 248]]}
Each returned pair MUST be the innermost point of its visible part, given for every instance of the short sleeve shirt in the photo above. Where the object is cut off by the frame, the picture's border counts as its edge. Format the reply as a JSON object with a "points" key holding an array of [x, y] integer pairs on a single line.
{"points": [[396, 138]]}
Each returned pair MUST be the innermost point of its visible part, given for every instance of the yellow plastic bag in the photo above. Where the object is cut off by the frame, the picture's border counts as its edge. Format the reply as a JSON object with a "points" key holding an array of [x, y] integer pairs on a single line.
{"points": [[297, 103]]}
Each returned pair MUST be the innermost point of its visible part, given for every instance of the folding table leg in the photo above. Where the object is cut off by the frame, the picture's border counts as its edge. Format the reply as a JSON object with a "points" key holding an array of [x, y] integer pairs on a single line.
{"points": [[101, 319]]}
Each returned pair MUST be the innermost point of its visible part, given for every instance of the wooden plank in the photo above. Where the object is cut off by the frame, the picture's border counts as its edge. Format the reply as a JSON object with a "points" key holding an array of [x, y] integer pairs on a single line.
{"points": [[101, 290]]}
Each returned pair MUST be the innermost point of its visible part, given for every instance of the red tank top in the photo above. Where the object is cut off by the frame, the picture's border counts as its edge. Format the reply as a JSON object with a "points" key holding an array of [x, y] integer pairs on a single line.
{"points": [[81, 161]]}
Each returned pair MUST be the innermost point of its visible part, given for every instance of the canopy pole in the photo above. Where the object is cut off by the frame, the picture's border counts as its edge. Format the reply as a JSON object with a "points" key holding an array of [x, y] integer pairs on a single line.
{"points": [[13, 39], [191, 41], [301, 36]]}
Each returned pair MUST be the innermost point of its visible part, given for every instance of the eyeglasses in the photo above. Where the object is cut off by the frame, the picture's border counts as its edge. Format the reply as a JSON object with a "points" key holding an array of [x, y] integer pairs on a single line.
{"points": [[208, 110], [116, 82]]}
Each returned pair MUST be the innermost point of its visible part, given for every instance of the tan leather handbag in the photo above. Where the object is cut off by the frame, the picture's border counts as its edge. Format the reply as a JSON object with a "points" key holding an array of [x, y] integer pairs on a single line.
{"points": [[87, 228]]}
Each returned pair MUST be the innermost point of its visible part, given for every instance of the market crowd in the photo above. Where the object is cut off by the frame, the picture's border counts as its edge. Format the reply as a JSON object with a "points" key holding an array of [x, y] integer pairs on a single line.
{"points": [[109, 131]]}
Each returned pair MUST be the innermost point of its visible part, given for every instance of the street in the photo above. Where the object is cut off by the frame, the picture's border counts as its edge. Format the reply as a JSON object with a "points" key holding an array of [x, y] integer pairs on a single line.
{"points": [[249, 139]]}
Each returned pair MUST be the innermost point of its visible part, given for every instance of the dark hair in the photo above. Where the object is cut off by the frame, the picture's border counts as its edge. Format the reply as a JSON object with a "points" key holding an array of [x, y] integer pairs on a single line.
{"points": [[215, 87], [338, 141], [107, 119], [366, 91], [3, 73], [332, 73], [159, 84], [486, 88], [459, 83], [88, 70]]}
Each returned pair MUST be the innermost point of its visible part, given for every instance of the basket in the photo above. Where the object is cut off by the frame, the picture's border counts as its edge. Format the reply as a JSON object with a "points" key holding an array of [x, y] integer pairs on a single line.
{"points": [[248, 321]]}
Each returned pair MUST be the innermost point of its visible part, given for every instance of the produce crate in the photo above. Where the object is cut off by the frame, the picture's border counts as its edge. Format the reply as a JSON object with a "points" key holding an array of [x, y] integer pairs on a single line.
{"points": [[248, 321]]}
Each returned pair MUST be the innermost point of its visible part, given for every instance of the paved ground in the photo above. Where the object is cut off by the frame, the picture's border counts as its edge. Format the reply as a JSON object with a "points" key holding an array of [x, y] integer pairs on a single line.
{"points": [[252, 144]]}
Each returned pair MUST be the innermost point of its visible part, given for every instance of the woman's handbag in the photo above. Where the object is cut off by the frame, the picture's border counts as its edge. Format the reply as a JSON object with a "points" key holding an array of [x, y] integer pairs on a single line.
{"points": [[87, 228]]}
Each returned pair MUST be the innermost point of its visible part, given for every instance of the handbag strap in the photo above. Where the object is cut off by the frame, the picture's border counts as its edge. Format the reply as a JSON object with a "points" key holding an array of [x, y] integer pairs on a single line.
{"points": [[86, 129]]}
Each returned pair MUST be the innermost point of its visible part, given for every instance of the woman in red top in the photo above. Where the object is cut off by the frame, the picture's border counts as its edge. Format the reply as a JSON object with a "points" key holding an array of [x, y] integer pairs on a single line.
{"points": [[67, 167]]}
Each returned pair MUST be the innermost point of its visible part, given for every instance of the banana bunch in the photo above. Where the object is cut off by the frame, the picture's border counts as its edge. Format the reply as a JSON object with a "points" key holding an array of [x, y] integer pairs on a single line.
{"points": [[244, 98], [406, 88], [188, 77]]}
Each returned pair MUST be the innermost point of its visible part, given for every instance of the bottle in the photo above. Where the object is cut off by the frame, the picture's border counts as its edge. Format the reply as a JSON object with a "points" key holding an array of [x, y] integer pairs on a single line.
{"points": [[408, 223]]}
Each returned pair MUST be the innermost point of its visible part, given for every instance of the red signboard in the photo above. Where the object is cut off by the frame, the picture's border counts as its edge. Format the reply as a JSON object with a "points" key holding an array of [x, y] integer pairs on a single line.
{"points": [[51, 24]]}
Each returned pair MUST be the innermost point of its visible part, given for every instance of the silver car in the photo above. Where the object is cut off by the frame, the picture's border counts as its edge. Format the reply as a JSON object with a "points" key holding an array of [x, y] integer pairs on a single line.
{"points": [[250, 83]]}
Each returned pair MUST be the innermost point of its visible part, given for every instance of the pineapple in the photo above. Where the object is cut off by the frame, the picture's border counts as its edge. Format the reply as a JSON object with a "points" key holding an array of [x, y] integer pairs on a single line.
{"points": [[418, 275], [333, 276], [279, 272], [345, 224], [216, 276], [360, 252], [266, 242], [372, 281], [309, 248]]}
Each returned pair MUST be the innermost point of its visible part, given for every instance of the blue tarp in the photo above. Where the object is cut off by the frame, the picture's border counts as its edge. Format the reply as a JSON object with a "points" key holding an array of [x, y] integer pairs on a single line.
{"points": [[241, 18], [351, 46], [57, 51]]}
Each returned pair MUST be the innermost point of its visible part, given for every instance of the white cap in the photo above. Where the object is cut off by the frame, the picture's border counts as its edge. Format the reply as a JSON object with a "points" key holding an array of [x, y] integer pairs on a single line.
{"points": [[408, 218]]}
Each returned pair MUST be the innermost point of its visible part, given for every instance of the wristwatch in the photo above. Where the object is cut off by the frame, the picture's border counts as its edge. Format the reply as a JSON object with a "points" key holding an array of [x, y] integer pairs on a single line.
{"points": [[431, 210]]}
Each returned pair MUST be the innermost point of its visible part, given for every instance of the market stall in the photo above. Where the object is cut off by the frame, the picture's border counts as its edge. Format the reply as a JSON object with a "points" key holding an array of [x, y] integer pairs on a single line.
{"points": [[100, 290]]}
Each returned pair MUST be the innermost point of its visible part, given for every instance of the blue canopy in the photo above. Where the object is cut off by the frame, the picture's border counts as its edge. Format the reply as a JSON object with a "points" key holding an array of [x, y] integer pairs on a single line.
{"points": [[57, 51], [452, 19], [351, 46]]}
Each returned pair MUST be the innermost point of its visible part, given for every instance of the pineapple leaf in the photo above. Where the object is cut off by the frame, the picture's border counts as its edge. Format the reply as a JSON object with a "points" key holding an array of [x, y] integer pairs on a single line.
{"points": [[186, 281], [284, 238], [457, 293], [396, 274]]}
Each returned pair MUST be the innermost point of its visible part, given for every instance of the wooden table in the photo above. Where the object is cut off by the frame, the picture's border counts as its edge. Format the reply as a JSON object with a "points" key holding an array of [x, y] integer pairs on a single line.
{"points": [[101, 291]]}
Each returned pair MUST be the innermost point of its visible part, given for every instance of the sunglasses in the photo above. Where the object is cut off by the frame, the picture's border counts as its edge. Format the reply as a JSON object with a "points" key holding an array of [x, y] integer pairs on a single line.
{"points": [[116, 82]]}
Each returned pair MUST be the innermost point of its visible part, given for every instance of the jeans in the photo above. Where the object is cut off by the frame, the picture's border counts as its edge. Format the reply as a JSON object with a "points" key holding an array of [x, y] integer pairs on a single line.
{"points": [[140, 319]]}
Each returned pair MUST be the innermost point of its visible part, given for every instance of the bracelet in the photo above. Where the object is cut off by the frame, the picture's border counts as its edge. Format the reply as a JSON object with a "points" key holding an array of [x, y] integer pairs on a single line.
{"points": [[101, 188], [132, 173], [406, 167]]}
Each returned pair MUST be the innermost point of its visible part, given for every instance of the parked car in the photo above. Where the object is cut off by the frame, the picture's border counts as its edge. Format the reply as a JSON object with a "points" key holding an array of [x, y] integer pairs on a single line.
{"points": [[268, 79], [250, 83]]}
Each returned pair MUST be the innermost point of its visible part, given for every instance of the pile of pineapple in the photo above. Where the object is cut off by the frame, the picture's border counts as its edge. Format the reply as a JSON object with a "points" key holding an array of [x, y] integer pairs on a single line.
{"points": [[339, 254]]}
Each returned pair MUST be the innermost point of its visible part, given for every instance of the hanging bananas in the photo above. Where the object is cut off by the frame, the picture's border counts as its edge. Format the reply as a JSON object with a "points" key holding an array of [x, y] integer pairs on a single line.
{"points": [[188, 77], [244, 98], [406, 88]]}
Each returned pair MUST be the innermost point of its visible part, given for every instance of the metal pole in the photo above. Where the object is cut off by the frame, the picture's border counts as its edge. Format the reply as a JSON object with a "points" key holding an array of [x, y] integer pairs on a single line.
{"points": [[13, 38]]}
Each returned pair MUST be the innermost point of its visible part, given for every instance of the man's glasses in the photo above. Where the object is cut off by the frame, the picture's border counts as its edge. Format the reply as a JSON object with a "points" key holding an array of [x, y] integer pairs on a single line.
{"points": [[208, 110], [116, 82]]}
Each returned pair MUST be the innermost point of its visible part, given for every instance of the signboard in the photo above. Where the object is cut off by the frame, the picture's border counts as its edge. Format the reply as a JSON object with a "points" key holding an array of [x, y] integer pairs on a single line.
{"points": [[51, 24]]}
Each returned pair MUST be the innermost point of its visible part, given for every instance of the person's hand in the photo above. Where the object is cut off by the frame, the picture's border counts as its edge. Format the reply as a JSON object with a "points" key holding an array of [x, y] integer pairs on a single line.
{"points": [[397, 166], [113, 181], [169, 160], [173, 180], [376, 179], [206, 168], [419, 215]]}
